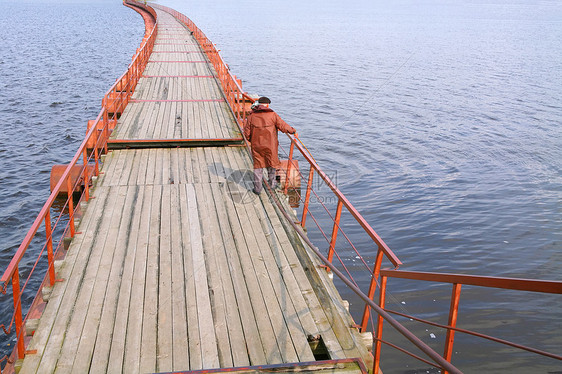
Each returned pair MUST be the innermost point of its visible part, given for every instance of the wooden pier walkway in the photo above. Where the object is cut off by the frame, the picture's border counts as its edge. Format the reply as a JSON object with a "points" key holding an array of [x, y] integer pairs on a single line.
{"points": [[175, 265]]}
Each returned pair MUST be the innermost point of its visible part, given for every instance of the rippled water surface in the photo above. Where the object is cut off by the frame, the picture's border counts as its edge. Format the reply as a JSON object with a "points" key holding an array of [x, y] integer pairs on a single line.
{"points": [[439, 120]]}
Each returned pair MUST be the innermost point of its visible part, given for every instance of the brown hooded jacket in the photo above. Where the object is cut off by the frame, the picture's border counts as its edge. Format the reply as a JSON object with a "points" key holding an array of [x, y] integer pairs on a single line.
{"points": [[261, 130]]}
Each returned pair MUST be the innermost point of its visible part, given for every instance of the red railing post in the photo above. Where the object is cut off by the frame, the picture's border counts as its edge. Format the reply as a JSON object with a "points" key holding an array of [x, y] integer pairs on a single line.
{"points": [[50, 255], [453, 313], [378, 334], [70, 205], [335, 231], [86, 176], [307, 196], [105, 121], [96, 154], [289, 164], [372, 289], [18, 315]]}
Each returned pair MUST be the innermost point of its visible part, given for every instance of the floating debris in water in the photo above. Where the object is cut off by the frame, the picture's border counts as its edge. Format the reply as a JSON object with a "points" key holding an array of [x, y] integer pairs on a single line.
{"points": [[432, 336]]}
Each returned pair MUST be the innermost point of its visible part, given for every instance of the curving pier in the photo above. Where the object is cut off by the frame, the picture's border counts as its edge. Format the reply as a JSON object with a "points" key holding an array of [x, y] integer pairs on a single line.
{"points": [[174, 266], [161, 259]]}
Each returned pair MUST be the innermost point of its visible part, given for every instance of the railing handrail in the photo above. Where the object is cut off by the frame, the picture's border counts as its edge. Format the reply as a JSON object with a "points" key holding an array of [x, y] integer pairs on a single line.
{"points": [[380, 311], [12, 266], [354, 212], [518, 284]]}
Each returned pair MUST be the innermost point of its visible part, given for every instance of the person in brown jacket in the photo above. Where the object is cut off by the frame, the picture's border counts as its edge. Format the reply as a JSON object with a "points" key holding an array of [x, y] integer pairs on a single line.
{"points": [[261, 131]]}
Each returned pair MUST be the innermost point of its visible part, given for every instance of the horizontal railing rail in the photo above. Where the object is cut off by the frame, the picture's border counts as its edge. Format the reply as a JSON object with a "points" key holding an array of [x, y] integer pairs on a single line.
{"points": [[88, 153], [457, 281]]}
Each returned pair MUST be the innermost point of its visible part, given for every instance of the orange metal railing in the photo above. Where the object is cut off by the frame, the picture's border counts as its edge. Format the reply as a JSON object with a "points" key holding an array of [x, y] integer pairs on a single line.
{"points": [[457, 281], [89, 152]]}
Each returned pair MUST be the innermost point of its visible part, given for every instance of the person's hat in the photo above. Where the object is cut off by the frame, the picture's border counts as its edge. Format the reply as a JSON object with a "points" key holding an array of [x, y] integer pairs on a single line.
{"points": [[264, 100]]}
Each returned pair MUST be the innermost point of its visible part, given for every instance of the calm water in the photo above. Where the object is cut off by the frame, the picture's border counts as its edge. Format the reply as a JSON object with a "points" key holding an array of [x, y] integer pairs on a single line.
{"points": [[440, 120]]}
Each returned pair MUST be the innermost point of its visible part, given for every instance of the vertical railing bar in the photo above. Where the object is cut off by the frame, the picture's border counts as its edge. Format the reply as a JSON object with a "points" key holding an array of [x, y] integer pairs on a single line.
{"points": [[105, 121], [372, 288], [96, 155], [50, 255], [18, 314], [335, 230], [86, 176], [307, 196], [378, 333], [453, 313], [70, 204], [289, 164]]}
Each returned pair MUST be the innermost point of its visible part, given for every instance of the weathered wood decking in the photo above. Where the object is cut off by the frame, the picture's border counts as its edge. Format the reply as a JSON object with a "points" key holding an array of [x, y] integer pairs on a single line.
{"points": [[177, 266]]}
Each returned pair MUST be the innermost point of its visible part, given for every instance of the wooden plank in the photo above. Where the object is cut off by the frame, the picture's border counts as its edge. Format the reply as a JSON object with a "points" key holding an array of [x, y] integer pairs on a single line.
{"points": [[195, 166], [175, 129], [120, 179], [327, 325], [203, 165], [148, 117], [158, 170], [198, 122], [166, 165], [294, 273], [325, 303], [106, 171], [165, 321], [115, 284], [218, 165], [148, 348], [294, 308], [167, 124], [241, 258], [245, 340], [175, 176], [66, 331], [185, 120], [194, 354], [292, 305], [156, 120], [60, 303], [213, 130], [273, 305], [187, 165], [211, 167], [130, 114], [135, 165], [180, 347], [212, 242], [120, 168], [134, 310], [222, 125], [207, 336], [82, 332], [142, 166], [231, 127]]}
